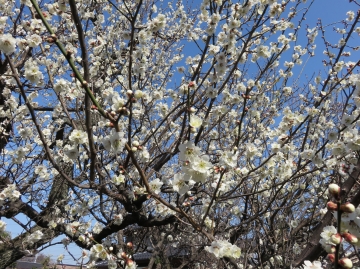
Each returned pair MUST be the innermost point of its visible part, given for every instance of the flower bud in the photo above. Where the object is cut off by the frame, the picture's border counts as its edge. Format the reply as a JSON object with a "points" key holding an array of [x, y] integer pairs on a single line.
{"points": [[111, 248], [138, 94], [129, 93], [352, 239], [336, 239], [347, 207], [332, 206], [331, 257], [129, 262], [191, 84], [135, 143], [134, 149], [129, 244], [123, 255], [345, 263], [192, 110], [334, 189]]}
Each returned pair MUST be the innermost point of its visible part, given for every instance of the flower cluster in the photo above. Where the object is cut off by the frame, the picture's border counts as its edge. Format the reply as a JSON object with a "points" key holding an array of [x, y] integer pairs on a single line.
{"points": [[10, 192], [222, 248]]}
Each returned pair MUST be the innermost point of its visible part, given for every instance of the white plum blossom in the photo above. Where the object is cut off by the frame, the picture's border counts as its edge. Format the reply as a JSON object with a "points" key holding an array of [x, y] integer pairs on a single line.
{"points": [[71, 151], [155, 185], [222, 248], [35, 236], [7, 43], [34, 40], [201, 164], [195, 121], [61, 85], [32, 72], [312, 265], [117, 141], [180, 184], [117, 180], [78, 137], [327, 232], [188, 151]]}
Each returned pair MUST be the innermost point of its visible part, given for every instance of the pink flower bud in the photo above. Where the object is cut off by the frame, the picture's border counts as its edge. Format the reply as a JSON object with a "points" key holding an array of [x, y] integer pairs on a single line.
{"points": [[347, 207], [192, 84], [332, 206], [336, 239], [123, 255], [346, 263], [352, 239], [129, 244], [331, 257], [129, 262], [334, 189]]}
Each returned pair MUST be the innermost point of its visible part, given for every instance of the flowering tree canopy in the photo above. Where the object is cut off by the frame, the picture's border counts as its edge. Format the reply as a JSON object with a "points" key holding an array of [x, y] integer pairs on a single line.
{"points": [[188, 131]]}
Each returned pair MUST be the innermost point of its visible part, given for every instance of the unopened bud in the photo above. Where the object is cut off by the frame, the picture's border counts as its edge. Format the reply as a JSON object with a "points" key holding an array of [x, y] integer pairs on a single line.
{"points": [[129, 244], [332, 206], [336, 239], [347, 207], [125, 111], [331, 257], [352, 239], [345, 263], [135, 143], [334, 189], [110, 124], [129, 93], [129, 262], [134, 149], [191, 84], [123, 255], [111, 248], [192, 110]]}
